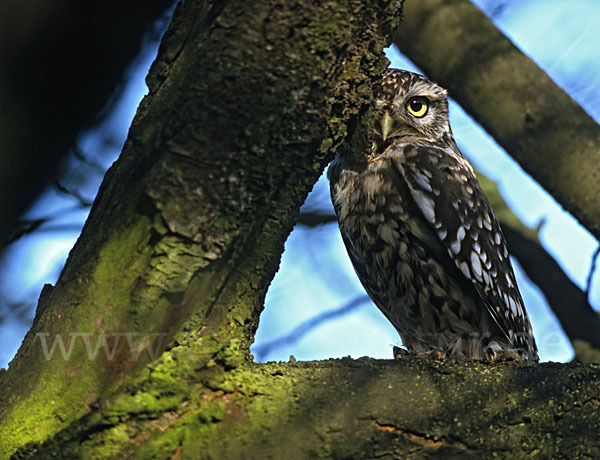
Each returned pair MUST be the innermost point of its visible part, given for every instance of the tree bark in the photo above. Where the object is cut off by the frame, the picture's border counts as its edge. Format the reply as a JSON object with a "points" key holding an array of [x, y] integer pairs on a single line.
{"points": [[247, 103], [342, 409], [537, 123]]}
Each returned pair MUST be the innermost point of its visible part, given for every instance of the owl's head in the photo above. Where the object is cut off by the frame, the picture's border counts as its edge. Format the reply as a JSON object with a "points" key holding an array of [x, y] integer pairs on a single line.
{"points": [[411, 108]]}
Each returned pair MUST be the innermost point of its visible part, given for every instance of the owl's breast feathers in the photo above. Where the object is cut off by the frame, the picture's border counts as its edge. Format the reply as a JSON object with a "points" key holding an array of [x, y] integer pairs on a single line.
{"points": [[428, 249]]}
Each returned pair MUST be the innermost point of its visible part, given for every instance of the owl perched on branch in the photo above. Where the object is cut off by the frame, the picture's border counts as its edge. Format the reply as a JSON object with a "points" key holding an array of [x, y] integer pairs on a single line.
{"points": [[421, 234]]}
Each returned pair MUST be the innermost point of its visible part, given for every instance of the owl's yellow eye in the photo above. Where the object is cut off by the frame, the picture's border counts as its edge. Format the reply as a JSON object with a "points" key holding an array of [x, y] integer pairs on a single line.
{"points": [[417, 106]]}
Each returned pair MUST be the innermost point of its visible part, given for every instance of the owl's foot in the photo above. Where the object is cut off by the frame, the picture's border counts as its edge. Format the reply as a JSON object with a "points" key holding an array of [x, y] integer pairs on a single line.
{"points": [[401, 353], [494, 355]]}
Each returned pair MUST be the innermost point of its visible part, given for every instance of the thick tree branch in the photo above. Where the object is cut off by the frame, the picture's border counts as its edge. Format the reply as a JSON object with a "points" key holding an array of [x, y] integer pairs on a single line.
{"points": [[247, 102], [343, 409], [538, 124]]}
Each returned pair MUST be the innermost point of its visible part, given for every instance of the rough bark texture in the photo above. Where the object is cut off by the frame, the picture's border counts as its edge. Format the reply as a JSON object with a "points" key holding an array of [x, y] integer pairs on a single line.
{"points": [[59, 68], [247, 103], [538, 124], [343, 409]]}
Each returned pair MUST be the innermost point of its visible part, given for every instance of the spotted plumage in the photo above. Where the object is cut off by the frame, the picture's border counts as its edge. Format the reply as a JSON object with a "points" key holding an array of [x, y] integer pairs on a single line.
{"points": [[420, 232]]}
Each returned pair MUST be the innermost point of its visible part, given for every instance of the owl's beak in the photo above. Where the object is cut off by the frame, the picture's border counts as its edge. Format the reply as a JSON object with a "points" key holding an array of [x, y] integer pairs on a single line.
{"points": [[386, 125]]}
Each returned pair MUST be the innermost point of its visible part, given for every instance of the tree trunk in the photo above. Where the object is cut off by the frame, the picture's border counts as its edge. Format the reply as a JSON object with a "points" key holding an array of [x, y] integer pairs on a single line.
{"points": [[248, 101]]}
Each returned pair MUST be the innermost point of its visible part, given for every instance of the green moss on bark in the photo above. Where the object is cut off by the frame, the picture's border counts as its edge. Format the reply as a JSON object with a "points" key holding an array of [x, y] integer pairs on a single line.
{"points": [[247, 103], [358, 409]]}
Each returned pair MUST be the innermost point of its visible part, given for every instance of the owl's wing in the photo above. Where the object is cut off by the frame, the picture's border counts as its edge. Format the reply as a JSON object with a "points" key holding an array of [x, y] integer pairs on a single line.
{"points": [[445, 189]]}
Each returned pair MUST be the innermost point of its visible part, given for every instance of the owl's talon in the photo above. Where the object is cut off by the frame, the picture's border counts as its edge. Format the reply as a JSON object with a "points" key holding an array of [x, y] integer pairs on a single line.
{"points": [[490, 355], [400, 353], [514, 354], [438, 354]]}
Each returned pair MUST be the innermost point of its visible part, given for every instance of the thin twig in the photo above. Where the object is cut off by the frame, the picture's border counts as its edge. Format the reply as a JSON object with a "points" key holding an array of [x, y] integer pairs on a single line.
{"points": [[588, 283], [315, 218], [83, 201]]}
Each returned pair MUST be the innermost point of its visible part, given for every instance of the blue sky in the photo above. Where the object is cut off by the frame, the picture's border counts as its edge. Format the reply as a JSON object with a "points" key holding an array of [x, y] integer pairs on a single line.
{"points": [[315, 274]]}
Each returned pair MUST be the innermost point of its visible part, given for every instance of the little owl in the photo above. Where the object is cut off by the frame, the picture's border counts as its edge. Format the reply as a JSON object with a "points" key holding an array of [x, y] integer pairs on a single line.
{"points": [[420, 232]]}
